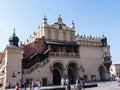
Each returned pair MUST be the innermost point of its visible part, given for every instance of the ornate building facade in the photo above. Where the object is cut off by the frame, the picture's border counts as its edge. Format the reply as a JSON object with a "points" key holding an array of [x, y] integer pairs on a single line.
{"points": [[53, 52]]}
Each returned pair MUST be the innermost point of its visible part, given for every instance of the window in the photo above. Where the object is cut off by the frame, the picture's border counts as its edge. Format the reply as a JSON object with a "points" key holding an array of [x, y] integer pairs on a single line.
{"points": [[60, 26], [56, 35]]}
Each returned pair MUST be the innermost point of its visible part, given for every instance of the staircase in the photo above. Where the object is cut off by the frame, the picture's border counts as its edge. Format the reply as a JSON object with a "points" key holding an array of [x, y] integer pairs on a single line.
{"points": [[35, 66]]}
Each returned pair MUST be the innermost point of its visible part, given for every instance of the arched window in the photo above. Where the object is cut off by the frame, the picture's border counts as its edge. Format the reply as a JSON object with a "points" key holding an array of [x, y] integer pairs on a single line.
{"points": [[60, 26]]}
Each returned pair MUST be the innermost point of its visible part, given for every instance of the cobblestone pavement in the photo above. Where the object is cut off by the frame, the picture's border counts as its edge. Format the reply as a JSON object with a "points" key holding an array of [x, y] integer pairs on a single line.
{"points": [[112, 85]]}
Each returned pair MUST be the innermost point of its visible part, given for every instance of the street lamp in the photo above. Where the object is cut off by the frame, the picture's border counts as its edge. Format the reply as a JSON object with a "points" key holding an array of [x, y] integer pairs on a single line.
{"points": [[83, 72], [83, 78]]}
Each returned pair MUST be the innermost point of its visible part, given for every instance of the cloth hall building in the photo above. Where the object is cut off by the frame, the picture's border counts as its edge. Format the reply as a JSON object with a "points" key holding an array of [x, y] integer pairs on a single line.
{"points": [[53, 52]]}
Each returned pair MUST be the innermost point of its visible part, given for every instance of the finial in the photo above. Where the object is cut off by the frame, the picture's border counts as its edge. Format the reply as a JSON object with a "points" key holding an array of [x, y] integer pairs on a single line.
{"points": [[14, 31], [103, 34], [72, 21], [59, 15], [45, 16], [73, 25]]}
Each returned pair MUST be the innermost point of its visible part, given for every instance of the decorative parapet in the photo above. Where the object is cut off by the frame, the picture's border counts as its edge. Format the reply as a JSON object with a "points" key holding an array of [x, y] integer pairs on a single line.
{"points": [[84, 40], [63, 54]]}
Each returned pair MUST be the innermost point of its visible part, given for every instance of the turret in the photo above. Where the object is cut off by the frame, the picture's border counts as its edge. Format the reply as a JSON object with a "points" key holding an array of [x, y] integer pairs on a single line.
{"points": [[13, 40], [45, 22], [73, 26]]}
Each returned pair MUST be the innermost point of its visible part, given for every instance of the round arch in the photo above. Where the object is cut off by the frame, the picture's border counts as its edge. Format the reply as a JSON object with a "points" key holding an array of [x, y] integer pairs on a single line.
{"points": [[73, 68], [102, 70], [58, 68], [73, 61], [57, 61]]}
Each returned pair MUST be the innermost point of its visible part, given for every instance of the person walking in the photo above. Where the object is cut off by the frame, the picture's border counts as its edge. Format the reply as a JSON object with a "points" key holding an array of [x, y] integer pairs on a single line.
{"points": [[62, 82], [118, 80], [25, 85], [79, 83], [21, 85], [67, 82], [38, 84], [17, 87], [33, 85]]}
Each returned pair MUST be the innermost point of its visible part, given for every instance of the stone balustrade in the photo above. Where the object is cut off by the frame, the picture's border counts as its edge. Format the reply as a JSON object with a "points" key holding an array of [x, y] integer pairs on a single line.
{"points": [[63, 54]]}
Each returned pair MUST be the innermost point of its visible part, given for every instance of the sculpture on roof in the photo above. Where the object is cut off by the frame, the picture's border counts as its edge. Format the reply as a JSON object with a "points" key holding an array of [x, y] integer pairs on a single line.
{"points": [[104, 41]]}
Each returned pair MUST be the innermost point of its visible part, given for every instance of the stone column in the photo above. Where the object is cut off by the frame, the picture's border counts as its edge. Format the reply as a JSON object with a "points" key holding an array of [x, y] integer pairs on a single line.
{"points": [[65, 72]]}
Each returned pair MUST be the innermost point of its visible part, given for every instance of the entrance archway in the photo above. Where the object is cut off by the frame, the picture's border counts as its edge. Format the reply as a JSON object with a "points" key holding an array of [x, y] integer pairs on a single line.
{"points": [[72, 72], [102, 73], [71, 75], [58, 70], [56, 77]]}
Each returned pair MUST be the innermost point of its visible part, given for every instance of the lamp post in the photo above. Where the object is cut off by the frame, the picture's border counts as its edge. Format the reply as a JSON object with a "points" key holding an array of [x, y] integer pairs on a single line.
{"points": [[83, 78], [83, 72]]}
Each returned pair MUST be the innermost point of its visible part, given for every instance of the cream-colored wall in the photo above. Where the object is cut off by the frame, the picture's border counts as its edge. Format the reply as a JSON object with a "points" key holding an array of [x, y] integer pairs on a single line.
{"points": [[13, 64], [91, 59], [90, 52]]}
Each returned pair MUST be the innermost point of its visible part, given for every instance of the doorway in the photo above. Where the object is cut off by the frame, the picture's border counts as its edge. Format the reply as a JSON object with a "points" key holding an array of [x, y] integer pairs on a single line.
{"points": [[56, 77]]}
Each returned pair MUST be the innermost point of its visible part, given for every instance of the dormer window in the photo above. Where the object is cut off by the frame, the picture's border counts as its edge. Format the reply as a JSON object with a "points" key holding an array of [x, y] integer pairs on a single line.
{"points": [[60, 26]]}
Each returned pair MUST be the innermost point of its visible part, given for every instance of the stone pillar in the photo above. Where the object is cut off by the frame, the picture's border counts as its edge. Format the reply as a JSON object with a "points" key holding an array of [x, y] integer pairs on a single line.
{"points": [[65, 72], [13, 64]]}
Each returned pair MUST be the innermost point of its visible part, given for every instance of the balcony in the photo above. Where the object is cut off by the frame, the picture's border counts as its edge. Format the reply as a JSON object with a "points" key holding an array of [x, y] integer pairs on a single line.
{"points": [[64, 54], [107, 59]]}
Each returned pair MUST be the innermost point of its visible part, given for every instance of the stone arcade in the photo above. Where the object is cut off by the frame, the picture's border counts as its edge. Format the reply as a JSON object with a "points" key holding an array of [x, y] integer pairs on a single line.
{"points": [[53, 52]]}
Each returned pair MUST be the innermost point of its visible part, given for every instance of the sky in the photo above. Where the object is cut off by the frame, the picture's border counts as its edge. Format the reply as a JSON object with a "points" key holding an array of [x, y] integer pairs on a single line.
{"points": [[91, 17]]}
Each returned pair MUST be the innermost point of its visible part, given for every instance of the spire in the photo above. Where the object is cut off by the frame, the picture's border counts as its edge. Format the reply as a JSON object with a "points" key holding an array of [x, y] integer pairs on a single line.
{"points": [[73, 25], [45, 21], [13, 40], [60, 20]]}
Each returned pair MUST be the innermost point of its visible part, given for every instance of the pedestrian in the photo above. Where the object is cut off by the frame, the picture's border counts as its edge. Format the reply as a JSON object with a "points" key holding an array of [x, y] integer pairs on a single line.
{"points": [[67, 82], [17, 87], [30, 84], [81, 83], [118, 80], [7, 85], [25, 85], [21, 85], [38, 84], [77, 84], [62, 82], [33, 85]]}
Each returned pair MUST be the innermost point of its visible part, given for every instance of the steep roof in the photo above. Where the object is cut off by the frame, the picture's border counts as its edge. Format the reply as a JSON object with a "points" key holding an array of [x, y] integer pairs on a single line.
{"points": [[36, 47]]}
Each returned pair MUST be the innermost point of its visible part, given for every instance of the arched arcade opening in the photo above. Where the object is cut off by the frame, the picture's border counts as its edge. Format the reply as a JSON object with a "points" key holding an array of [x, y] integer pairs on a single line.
{"points": [[57, 73]]}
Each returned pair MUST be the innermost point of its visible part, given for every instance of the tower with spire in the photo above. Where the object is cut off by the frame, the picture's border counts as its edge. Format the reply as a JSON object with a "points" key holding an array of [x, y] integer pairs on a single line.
{"points": [[13, 61], [13, 40]]}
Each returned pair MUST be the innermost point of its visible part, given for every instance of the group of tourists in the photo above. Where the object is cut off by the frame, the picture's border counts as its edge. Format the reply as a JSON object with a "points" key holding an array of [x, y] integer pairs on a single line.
{"points": [[23, 85], [118, 79], [65, 82], [79, 83]]}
